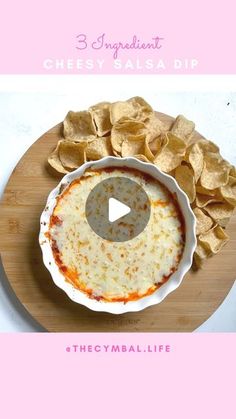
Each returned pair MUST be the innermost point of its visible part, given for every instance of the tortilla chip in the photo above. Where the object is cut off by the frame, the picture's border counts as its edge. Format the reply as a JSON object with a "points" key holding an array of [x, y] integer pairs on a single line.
{"points": [[132, 145], [207, 196], [214, 239], [229, 191], [201, 253], [220, 211], [204, 223], [208, 146], [142, 108], [122, 130], [101, 118], [154, 127], [116, 153], [204, 191], [195, 158], [71, 155], [101, 147], [142, 158], [232, 171], [215, 171], [134, 108], [55, 161], [171, 153], [153, 148], [121, 110], [223, 222], [79, 126], [185, 178], [183, 128], [203, 200]]}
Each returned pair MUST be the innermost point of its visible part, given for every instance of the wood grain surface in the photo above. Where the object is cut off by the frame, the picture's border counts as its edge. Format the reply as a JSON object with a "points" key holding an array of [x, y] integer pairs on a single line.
{"points": [[24, 199]]}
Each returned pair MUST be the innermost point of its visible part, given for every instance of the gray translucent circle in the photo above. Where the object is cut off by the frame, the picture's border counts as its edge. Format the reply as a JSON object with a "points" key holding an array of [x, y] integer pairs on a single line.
{"points": [[129, 193]]}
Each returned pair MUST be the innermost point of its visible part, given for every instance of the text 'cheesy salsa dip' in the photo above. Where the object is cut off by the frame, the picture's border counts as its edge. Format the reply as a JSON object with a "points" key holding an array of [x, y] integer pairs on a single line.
{"points": [[116, 271]]}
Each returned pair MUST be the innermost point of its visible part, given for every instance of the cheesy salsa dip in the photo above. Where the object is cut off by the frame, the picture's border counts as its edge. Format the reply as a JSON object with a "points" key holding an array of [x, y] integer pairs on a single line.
{"points": [[116, 271]]}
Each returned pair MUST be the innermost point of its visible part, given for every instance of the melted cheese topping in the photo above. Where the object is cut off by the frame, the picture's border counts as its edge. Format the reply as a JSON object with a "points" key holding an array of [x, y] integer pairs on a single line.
{"points": [[116, 271]]}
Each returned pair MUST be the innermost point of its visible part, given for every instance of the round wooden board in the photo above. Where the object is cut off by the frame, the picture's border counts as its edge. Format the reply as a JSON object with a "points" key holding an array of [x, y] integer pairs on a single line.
{"points": [[24, 199]]}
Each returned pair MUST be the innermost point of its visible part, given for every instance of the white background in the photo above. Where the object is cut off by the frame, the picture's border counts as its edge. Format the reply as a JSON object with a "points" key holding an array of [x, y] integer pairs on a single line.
{"points": [[30, 105]]}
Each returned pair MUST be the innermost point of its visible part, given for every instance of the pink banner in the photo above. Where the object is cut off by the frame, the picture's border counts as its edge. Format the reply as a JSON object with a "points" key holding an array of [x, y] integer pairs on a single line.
{"points": [[118, 375], [183, 37]]}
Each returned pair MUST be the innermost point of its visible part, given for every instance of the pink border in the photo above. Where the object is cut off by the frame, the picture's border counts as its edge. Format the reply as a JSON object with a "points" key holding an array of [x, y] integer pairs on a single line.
{"points": [[34, 32], [40, 378]]}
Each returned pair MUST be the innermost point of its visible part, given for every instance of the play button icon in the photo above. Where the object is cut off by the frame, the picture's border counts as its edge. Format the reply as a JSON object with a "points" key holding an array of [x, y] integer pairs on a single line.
{"points": [[117, 209]]}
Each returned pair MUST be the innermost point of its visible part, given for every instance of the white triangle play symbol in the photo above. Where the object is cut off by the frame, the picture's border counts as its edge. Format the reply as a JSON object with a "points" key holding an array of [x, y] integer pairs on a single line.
{"points": [[116, 209]]}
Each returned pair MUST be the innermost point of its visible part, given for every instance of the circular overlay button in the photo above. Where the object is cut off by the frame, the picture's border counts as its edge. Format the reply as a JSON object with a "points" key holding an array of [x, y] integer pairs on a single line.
{"points": [[110, 200]]}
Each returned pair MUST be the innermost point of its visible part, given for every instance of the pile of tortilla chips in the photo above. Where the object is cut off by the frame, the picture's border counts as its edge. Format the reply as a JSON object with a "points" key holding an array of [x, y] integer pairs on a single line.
{"points": [[132, 128]]}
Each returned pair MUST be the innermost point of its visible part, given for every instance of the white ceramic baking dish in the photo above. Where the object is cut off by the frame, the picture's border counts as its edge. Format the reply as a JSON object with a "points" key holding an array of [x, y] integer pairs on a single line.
{"points": [[175, 279]]}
